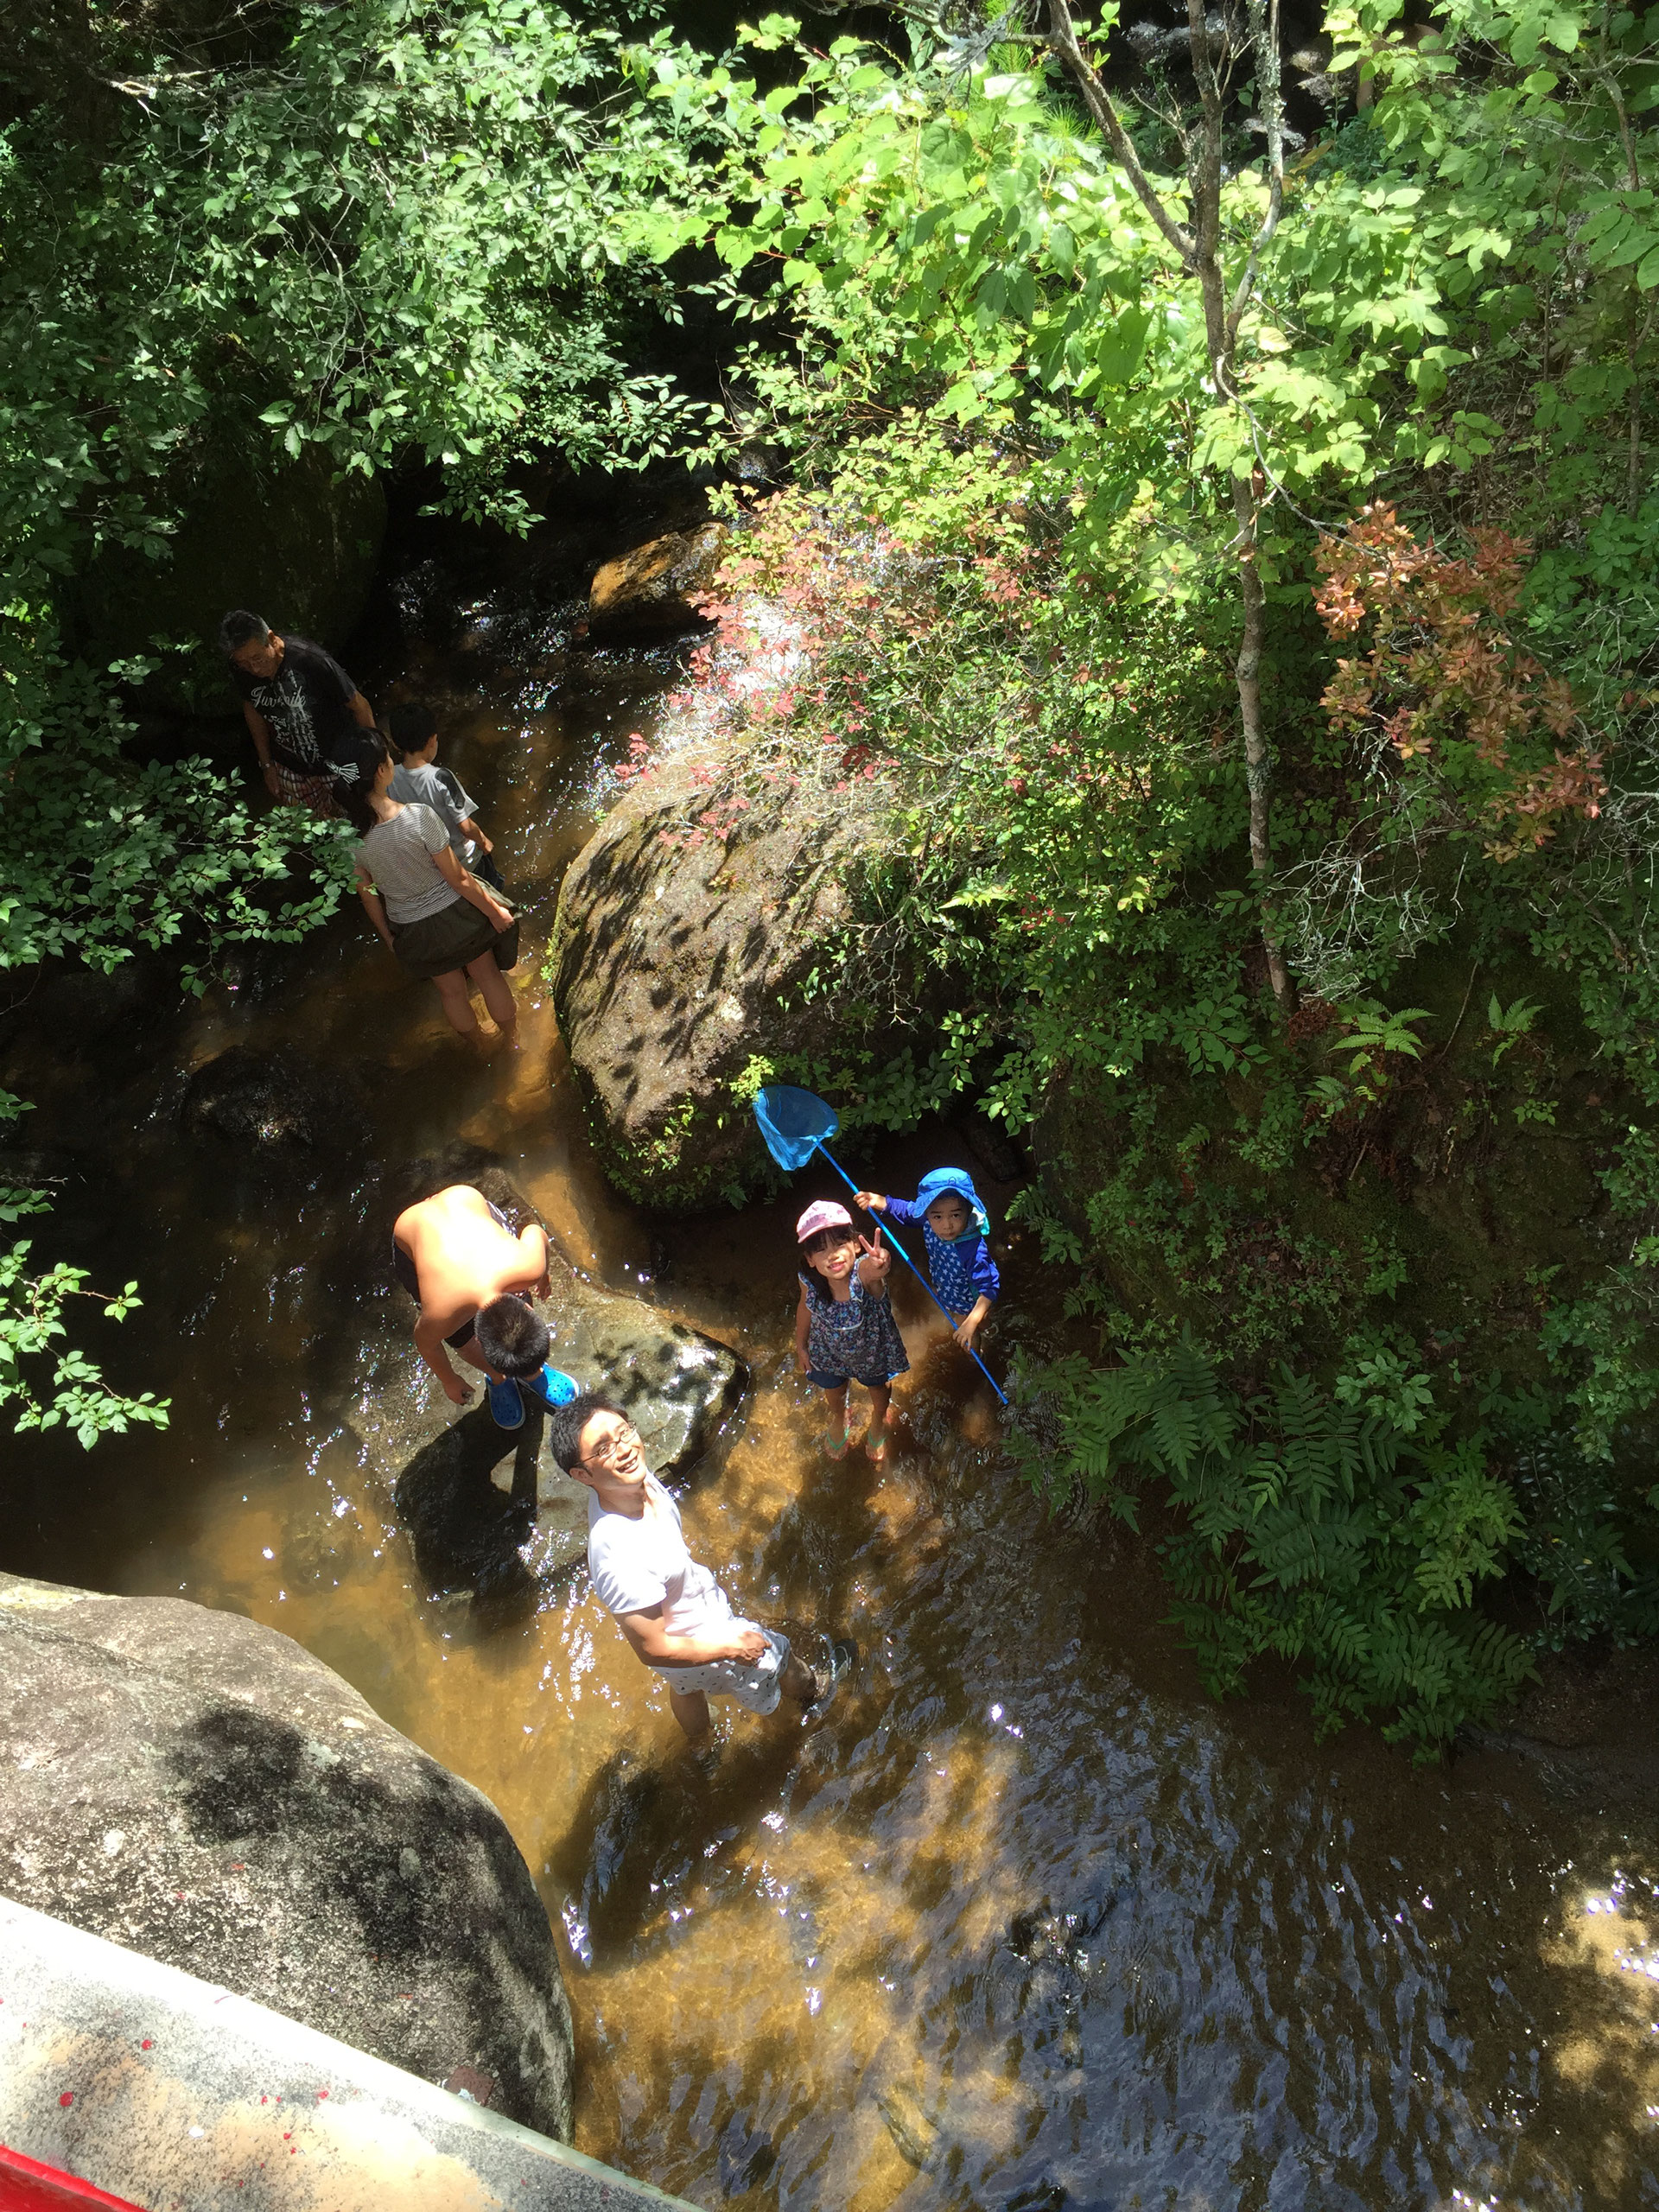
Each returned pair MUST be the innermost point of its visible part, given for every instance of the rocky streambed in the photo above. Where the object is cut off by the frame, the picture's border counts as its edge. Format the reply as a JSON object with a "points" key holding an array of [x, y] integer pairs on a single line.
{"points": [[1024, 1921]]}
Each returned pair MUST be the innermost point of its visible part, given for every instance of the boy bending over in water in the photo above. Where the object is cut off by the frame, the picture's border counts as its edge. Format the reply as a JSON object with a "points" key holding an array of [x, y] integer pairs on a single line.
{"points": [[672, 1611], [955, 1226], [473, 1279]]}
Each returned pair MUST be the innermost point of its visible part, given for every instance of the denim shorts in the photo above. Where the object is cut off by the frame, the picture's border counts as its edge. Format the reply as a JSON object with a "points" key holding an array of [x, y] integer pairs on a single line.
{"points": [[756, 1684], [826, 1381]]}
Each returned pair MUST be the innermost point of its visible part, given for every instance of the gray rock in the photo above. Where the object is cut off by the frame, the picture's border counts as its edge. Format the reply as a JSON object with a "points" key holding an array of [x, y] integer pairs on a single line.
{"points": [[200, 1789], [677, 1386], [672, 968]]}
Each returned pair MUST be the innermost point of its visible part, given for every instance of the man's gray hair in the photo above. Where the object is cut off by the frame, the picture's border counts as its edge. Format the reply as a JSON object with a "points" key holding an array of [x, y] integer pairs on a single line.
{"points": [[240, 628]]}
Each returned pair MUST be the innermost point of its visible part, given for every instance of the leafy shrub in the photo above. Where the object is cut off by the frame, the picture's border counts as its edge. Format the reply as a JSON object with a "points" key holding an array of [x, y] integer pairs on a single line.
{"points": [[1342, 1530]]}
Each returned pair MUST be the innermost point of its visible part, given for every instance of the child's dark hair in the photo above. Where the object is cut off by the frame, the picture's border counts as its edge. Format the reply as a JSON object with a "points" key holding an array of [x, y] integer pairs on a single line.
{"points": [[411, 726], [371, 754], [568, 1422], [511, 1336]]}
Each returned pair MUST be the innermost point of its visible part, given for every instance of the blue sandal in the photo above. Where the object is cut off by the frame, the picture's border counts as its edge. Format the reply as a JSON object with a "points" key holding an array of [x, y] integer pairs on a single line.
{"points": [[552, 1387], [506, 1407]]}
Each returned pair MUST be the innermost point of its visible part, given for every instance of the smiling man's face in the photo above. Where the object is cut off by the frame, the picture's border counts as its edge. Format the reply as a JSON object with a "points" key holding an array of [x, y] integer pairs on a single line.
{"points": [[609, 1445]]}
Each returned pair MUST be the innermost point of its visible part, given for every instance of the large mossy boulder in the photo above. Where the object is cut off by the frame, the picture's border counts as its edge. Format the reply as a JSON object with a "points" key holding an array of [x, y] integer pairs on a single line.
{"points": [[196, 1787], [297, 545], [677, 961]]}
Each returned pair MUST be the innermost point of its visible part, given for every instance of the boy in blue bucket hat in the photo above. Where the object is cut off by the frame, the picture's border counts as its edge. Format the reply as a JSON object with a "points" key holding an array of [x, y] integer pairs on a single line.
{"points": [[955, 1226]]}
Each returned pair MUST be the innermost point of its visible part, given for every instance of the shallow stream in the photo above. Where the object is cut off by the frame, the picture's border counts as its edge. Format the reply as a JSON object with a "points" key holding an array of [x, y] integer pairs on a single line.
{"points": [[1024, 1921]]}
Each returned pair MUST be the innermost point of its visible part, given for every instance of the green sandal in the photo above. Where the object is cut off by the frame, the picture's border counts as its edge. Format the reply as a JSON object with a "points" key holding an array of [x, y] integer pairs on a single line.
{"points": [[835, 1448]]}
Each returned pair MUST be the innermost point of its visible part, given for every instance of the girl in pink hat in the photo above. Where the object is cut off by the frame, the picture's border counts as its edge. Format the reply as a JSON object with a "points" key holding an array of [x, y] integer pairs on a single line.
{"points": [[845, 1329]]}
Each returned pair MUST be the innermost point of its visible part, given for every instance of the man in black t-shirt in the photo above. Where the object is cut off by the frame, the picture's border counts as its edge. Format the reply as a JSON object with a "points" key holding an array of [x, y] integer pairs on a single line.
{"points": [[302, 710]]}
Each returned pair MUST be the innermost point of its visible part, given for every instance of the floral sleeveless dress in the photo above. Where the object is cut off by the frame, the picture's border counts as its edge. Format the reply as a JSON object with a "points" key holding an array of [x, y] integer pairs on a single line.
{"points": [[857, 1339]]}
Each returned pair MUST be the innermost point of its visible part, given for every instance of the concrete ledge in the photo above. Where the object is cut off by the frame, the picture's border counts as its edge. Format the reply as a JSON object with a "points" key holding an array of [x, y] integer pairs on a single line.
{"points": [[174, 2094]]}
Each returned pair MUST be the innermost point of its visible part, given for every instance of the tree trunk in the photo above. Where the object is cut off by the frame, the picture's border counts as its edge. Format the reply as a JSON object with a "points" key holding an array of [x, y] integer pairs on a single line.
{"points": [[1221, 331], [1258, 768], [1197, 241]]}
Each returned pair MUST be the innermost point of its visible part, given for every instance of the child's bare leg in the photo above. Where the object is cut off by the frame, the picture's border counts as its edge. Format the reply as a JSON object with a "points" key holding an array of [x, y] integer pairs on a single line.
{"points": [[835, 1441], [494, 989], [690, 1709], [452, 989], [875, 1440]]}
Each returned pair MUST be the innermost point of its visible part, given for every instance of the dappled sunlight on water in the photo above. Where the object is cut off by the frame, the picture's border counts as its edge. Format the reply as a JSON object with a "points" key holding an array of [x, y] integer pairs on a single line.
{"points": [[1023, 1921]]}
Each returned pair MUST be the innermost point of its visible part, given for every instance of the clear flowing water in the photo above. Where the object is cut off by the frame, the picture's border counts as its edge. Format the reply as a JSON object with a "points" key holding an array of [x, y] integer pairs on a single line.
{"points": [[1024, 1921]]}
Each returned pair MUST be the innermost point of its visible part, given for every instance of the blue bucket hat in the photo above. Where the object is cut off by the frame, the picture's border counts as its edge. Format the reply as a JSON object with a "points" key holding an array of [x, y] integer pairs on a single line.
{"points": [[959, 1181]]}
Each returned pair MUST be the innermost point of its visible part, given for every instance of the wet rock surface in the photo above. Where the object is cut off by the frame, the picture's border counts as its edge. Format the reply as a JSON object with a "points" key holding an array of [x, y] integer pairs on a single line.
{"points": [[670, 967], [651, 590], [267, 1099], [199, 1788], [678, 1387]]}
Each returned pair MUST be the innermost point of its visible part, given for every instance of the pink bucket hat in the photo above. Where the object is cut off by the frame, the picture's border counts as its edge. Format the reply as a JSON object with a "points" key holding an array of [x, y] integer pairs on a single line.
{"points": [[826, 1214]]}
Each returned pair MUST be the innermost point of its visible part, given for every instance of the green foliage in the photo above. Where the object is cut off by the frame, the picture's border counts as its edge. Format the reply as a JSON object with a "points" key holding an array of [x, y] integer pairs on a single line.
{"points": [[1509, 1025], [33, 1329], [404, 231], [99, 858], [378, 232], [1008, 557], [1341, 1530], [1375, 1030]]}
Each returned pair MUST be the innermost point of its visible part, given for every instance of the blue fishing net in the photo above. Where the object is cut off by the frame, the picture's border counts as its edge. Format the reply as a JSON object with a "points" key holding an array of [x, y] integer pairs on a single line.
{"points": [[793, 1122]]}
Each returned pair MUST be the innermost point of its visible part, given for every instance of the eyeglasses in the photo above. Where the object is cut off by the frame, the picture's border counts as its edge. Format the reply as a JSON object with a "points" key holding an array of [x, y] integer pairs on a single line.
{"points": [[605, 1451]]}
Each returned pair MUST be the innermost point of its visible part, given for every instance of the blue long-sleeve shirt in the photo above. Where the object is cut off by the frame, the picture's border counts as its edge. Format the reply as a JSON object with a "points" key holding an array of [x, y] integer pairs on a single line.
{"points": [[962, 1272]]}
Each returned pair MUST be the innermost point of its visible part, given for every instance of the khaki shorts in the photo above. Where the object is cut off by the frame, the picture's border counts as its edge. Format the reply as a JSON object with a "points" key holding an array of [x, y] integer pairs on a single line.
{"points": [[756, 1684]]}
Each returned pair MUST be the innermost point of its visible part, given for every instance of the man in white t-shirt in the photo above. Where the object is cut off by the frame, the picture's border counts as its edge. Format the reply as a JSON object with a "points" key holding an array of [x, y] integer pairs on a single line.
{"points": [[672, 1610]]}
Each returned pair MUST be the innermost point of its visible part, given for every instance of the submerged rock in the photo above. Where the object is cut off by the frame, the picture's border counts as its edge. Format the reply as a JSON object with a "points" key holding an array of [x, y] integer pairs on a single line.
{"points": [[273, 1101], [649, 592], [198, 1787]]}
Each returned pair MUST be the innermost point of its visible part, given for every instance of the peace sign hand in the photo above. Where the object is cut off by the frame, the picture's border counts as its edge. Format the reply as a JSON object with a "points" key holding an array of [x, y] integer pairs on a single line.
{"points": [[873, 1262]]}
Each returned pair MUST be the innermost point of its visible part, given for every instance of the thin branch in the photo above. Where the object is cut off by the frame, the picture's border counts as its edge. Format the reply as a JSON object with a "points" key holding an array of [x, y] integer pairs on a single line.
{"points": [[1063, 39], [1265, 38]]}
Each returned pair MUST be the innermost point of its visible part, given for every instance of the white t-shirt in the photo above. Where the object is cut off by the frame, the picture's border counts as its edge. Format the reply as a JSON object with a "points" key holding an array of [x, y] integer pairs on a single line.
{"points": [[638, 1563]]}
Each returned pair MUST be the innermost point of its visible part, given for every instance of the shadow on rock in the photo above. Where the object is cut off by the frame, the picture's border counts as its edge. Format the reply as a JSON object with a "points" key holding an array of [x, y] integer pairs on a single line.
{"points": [[200, 1789], [468, 1533]]}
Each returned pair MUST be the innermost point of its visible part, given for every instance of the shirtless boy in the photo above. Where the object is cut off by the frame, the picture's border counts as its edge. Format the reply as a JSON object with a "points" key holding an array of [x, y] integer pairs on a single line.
{"points": [[474, 1280]]}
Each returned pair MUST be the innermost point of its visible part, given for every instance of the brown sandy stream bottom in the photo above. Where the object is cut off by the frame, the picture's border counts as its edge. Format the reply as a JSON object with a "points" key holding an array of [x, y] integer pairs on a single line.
{"points": [[1024, 1921]]}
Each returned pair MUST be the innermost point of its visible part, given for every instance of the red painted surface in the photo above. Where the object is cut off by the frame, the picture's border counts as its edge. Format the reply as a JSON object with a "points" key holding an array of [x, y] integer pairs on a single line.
{"points": [[27, 2186]]}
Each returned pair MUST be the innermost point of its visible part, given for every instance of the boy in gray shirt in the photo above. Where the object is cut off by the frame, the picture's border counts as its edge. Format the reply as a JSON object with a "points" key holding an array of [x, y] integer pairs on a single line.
{"points": [[419, 781]]}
